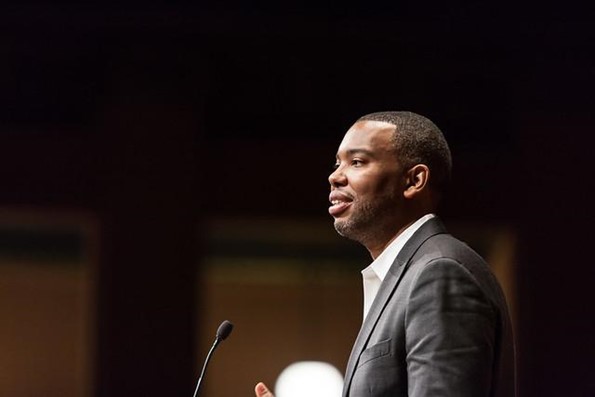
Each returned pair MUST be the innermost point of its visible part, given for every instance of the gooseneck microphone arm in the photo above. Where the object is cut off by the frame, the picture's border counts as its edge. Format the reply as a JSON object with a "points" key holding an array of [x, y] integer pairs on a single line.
{"points": [[222, 333]]}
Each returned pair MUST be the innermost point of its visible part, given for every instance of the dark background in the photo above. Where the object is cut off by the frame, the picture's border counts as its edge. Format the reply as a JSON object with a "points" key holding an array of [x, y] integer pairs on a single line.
{"points": [[156, 115]]}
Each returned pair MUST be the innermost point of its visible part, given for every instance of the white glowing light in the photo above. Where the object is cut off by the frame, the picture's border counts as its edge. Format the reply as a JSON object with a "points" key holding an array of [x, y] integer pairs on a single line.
{"points": [[309, 378]]}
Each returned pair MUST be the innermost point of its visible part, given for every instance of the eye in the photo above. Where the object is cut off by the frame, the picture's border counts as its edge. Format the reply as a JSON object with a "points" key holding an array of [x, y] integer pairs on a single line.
{"points": [[357, 162]]}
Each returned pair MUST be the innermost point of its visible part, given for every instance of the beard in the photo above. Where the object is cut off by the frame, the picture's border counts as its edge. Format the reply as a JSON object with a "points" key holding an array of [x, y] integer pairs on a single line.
{"points": [[369, 221]]}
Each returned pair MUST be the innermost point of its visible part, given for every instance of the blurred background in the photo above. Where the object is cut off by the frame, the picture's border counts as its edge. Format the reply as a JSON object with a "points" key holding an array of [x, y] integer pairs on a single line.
{"points": [[163, 168]]}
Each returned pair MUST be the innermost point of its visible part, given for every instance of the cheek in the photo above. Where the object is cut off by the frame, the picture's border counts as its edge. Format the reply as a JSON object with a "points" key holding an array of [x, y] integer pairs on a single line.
{"points": [[376, 182], [372, 185], [387, 186]]}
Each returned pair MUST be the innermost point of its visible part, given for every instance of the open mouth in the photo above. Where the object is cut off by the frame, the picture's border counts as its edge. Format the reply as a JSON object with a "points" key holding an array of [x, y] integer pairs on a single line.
{"points": [[339, 203], [338, 207]]}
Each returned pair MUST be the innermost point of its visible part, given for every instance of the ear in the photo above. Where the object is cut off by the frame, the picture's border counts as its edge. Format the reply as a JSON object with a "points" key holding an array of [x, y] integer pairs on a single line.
{"points": [[417, 179]]}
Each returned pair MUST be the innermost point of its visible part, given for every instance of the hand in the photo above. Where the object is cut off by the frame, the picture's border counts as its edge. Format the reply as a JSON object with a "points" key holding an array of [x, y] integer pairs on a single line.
{"points": [[262, 391]]}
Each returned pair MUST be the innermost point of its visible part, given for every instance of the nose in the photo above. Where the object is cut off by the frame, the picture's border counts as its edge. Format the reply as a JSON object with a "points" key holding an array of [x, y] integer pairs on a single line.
{"points": [[337, 178]]}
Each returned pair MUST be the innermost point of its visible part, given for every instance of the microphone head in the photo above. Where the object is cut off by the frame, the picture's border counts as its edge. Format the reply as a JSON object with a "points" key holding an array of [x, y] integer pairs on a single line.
{"points": [[224, 330]]}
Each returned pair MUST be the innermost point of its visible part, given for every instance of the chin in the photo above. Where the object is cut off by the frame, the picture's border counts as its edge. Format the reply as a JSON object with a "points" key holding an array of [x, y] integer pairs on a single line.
{"points": [[345, 229], [340, 227]]}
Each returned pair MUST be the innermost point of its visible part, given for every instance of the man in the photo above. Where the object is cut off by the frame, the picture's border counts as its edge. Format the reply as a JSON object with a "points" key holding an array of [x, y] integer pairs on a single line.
{"points": [[435, 318]]}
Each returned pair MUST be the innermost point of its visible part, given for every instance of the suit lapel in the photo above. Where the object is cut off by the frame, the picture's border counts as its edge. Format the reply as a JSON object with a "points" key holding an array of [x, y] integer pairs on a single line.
{"points": [[430, 228]]}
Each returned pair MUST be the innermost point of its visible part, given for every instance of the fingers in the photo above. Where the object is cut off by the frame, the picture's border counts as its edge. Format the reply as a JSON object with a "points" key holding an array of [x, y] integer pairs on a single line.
{"points": [[262, 391]]}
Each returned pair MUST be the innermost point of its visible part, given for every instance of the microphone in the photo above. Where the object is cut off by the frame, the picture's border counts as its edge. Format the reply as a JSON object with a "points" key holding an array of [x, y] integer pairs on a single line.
{"points": [[222, 333]]}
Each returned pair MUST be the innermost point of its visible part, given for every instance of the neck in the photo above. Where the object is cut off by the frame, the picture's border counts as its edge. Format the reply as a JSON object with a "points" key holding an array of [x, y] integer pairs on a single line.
{"points": [[380, 243]]}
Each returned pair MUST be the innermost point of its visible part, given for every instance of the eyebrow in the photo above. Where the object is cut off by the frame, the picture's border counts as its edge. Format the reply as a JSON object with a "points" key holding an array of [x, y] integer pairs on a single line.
{"points": [[355, 151]]}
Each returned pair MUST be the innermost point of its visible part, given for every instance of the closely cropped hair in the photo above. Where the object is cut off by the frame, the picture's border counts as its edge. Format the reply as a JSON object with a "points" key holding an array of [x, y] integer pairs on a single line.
{"points": [[418, 140]]}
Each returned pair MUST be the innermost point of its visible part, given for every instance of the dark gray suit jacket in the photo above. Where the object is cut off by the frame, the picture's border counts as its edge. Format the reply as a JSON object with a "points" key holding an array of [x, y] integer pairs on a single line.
{"points": [[439, 326]]}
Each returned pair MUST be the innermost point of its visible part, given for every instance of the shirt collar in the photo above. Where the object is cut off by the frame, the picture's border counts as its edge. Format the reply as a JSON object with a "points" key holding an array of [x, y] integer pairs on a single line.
{"points": [[384, 261]]}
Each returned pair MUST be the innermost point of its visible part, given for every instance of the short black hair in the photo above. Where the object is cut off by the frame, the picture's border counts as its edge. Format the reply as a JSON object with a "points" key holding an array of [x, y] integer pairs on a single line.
{"points": [[418, 140]]}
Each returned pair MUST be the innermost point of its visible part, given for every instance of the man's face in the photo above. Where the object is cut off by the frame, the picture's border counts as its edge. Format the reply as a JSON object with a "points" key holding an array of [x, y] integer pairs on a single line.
{"points": [[367, 185]]}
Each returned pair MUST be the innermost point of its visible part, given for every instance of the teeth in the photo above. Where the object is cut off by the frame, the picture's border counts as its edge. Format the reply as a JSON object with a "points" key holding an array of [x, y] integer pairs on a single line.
{"points": [[335, 202]]}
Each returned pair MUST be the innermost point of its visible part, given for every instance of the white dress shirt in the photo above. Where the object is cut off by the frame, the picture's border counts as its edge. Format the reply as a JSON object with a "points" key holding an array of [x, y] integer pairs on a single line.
{"points": [[374, 274]]}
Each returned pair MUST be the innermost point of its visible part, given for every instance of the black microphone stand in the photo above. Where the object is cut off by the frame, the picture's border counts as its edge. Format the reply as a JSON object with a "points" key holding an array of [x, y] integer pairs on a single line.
{"points": [[222, 332]]}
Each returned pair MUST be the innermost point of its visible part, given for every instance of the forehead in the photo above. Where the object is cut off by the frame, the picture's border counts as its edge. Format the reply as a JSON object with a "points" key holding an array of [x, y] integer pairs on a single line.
{"points": [[372, 136]]}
